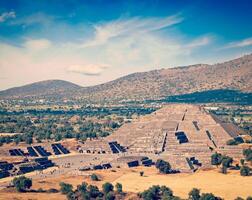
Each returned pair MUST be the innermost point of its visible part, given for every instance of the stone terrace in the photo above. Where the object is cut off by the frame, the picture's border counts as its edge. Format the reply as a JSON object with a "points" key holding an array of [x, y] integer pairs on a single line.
{"points": [[156, 134]]}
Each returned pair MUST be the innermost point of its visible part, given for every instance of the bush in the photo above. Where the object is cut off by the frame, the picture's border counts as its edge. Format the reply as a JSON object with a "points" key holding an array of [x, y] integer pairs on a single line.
{"points": [[245, 171], [22, 183], [93, 191], [107, 187], [248, 154], [208, 196], [141, 173], [110, 196], [94, 177], [65, 188], [163, 166], [118, 187], [157, 192], [194, 194], [216, 159], [226, 161], [82, 188]]}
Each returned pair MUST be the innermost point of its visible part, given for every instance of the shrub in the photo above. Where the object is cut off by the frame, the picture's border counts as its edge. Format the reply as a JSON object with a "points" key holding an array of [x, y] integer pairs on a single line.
{"points": [[245, 171], [65, 188], [118, 187], [226, 161], [107, 187], [22, 183], [248, 154], [194, 194], [93, 191], [141, 173], [82, 188], [157, 192], [208, 196], [94, 177], [109, 196], [163, 166], [216, 159], [242, 161], [71, 195]]}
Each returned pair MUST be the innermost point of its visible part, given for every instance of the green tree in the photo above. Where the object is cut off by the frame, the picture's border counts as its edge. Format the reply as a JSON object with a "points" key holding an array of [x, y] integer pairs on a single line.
{"points": [[245, 171], [118, 187], [242, 161], [65, 188], [22, 183], [194, 194], [226, 161], [216, 159], [110, 196], [93, 191], [208, 196], [107, 187], [94, 177], [163, 166]]}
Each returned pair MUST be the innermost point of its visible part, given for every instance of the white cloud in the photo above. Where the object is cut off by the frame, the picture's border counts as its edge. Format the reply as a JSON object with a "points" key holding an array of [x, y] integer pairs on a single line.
{"points": [[130, 26], [37, 44], [7, 15], [88, 69], [238, 44]]}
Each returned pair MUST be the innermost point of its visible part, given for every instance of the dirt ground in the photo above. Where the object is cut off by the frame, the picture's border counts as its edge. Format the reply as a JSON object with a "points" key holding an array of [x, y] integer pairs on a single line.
{"points": [[228, 186]]}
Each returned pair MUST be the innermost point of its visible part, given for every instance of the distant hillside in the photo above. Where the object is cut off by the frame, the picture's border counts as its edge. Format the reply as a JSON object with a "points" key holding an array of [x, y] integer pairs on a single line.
{"points": [[47, 88], [233, 75]]}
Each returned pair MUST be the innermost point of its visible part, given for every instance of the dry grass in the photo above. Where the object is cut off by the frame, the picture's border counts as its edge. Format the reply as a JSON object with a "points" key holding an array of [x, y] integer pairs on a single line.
{"points": [[228, 186]]}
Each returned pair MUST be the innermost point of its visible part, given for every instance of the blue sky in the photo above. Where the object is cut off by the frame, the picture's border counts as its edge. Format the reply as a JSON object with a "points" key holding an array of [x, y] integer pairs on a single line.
{"points": [[91, 42]]}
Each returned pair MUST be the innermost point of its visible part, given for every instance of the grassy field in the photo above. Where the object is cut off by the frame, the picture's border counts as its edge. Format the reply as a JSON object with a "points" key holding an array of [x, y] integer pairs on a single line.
{"points": [[228, 186]]}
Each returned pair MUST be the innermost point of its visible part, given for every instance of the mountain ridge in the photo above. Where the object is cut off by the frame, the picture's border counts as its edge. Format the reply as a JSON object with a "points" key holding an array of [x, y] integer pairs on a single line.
{"points": [[234, 74]]}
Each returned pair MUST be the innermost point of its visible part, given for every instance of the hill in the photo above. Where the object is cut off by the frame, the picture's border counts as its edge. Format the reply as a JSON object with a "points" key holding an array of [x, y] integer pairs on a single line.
{"points": [[233, 75], [49, 88]]}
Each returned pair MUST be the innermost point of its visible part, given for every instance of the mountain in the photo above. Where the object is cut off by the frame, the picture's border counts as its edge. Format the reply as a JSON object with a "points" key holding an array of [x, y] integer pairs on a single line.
{"points": [[234, 75], [47, 88]]}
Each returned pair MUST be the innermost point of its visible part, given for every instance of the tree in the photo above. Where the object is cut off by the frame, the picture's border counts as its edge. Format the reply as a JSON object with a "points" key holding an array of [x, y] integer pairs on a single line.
{"points": [[226, 161], [65, 188], [208, 196], [242, 161], [109, 196], [22, 183], [82, 188], [152, 193], [94, 177], [107, 187], [141, 173], [163, 166], [166, 192], [223, 169], [93, 191], [194, 194], [248, 154], [245, 171], [216, 159], [118, 187]]}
